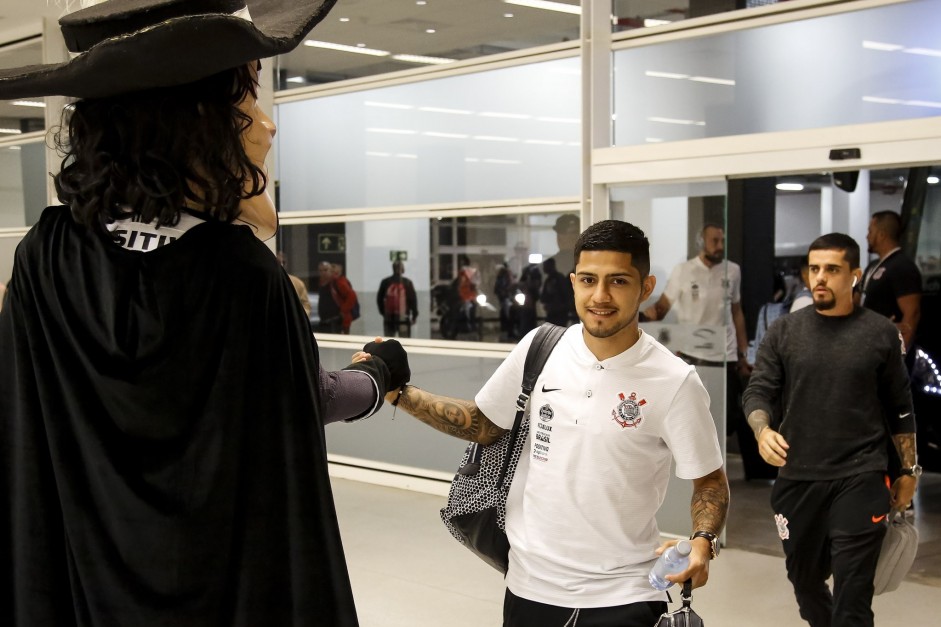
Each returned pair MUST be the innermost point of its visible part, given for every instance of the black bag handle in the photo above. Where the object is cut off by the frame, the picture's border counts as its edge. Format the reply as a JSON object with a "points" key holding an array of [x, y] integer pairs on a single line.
{"points": [[544, 341]]}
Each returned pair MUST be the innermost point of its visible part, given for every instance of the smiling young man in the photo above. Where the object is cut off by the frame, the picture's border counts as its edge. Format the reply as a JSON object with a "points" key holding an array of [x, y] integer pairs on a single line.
{"points": [[615, 408], [838, 373]]}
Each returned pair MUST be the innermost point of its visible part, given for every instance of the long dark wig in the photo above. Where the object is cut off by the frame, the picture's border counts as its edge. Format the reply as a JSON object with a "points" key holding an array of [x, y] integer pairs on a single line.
{"points": [[147, 153]]}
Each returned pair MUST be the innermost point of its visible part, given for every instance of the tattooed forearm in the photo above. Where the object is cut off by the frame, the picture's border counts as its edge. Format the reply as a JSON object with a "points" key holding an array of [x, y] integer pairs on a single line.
{"points": [[905, 445], [710, 503], [453, 416]]}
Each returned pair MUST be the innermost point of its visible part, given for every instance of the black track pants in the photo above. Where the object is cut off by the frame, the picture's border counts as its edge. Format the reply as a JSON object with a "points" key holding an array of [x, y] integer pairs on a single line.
{"points": [[520, 612], [832, 527]]}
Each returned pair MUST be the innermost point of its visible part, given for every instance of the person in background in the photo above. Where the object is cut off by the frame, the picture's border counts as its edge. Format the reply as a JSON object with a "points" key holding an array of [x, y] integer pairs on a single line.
{"points": [[836, 372], [891, 285], [162, 400], [467, 282], [615, 409], [804, 297], [345, 297], [706, 291], [328, 308], [397, 303], [298, 284]]}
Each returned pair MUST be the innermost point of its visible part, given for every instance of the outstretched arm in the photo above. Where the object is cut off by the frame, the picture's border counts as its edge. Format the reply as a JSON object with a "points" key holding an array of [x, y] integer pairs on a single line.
{"points": [[454, 416], [658, 310]]}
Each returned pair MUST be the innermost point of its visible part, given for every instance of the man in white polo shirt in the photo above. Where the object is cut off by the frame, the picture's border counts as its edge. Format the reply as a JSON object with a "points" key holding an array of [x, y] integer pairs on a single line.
{"points": [[706, 291], [614, 409]]}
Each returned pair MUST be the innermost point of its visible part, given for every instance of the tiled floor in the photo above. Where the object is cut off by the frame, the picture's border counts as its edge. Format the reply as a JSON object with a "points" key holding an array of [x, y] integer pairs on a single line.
{"points": [[407, 571]]}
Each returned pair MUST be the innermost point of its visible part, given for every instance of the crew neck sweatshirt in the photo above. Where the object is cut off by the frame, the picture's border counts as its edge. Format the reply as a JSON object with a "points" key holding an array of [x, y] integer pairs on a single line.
{"points": [[836, 378]]}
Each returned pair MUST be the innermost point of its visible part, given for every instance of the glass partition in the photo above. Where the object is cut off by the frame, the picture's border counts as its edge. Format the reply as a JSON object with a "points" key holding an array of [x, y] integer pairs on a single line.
{"points": [[475, 278], [692, 316], [503, 134], [864, 66]]}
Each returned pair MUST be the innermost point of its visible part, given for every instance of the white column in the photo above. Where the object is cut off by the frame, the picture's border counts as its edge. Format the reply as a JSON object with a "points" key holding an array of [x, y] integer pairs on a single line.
{"points": [[826, 209], [858, 212], [596, 102]]}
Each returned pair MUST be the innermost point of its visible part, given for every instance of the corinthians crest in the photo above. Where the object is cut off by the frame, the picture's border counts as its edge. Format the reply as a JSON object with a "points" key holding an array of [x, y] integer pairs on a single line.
{"points": [[627, 413]]}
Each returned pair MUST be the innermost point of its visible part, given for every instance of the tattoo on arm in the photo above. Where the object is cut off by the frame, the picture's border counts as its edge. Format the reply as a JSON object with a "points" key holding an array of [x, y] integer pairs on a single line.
{"points": [[454, 416], [758, 420], [905, 445], [710, 503]]}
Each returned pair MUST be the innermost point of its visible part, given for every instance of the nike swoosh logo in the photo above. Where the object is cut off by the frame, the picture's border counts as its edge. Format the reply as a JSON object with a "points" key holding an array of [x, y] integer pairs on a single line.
{"points": [[878, 519], [545, 389]]}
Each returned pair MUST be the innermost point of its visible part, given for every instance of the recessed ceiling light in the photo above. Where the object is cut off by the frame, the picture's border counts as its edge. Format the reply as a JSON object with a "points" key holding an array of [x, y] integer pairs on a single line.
{"points": [[420, 3], [574, 9], [29, 103], [358, 48], [933, 180], [790, 187], [296, 79], [507, 15], [417, 58], [344, 19], [430, 31]]}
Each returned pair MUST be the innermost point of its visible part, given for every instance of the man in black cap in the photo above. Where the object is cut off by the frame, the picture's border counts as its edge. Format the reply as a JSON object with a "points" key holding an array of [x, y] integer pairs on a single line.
{"points": [[162, 455]]}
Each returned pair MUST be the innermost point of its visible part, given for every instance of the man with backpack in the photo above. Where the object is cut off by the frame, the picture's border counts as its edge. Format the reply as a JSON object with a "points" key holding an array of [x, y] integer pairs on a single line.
{"points": [[397, 302], [611, 409]]}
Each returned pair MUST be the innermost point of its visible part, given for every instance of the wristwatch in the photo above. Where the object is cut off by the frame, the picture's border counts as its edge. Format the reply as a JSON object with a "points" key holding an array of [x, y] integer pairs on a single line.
{"points": [[713, 542], [914, 471]]}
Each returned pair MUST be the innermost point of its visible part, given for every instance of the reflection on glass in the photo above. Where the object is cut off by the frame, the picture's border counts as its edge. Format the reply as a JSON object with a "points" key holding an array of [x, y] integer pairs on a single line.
{"points": [[748, 81], [475, 278], [495, 135], [26, 114]]}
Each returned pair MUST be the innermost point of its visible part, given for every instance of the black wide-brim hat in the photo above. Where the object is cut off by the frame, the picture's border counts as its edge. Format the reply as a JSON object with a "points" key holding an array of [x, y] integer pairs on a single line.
{"points": [[121, 46]]}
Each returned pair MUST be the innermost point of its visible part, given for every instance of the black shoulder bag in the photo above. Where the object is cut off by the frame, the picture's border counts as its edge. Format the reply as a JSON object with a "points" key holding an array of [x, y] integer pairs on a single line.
{"points": [[685, 616], [476, 510]]}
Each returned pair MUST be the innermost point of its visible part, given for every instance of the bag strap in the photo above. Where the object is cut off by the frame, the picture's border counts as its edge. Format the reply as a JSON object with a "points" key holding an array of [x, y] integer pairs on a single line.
{"points": [[544, 341], [687, 593]]}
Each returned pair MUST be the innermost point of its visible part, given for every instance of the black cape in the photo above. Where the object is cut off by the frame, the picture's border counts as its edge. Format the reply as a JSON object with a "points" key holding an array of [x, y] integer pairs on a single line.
{"points": [[162, 457]]}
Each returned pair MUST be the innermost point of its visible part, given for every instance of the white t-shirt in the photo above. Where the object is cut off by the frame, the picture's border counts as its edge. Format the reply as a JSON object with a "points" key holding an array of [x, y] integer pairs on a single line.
{"points": [[703, 296], [147, 237], [582, 505]]}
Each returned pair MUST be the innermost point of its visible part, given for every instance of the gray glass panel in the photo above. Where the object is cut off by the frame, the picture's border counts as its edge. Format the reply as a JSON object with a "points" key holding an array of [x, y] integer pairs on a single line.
{"points": [[866, 66], [509, 133]]}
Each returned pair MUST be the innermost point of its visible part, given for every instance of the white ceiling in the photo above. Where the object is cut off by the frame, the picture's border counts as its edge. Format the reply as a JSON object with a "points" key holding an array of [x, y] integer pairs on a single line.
{"points": [[463, 29]]}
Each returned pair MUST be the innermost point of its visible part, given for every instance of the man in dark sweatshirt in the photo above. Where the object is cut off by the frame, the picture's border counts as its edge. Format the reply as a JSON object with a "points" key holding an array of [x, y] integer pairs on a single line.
{"points": [[839, 375]]}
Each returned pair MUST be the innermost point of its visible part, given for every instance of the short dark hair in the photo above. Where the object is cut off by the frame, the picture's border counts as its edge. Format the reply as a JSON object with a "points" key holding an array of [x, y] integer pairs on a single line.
{"points": [[139, 153], [890, 223], [617, 236], [838, 241]]}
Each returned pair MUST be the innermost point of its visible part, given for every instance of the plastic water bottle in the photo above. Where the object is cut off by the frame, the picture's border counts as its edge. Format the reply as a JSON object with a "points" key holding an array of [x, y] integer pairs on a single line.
{"points": [[674, 560]]}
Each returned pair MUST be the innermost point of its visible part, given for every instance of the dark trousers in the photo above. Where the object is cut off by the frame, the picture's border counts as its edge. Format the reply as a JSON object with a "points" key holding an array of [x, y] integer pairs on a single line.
{"points": [[520, 612], [393, 325], [832, 527]]}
